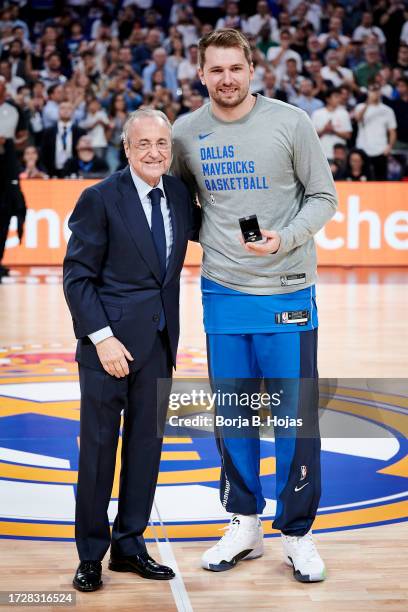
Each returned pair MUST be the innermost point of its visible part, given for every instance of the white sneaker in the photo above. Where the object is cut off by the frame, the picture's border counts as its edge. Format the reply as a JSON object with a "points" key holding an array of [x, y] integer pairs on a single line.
{"points": [[301, 554], [243, 540]]}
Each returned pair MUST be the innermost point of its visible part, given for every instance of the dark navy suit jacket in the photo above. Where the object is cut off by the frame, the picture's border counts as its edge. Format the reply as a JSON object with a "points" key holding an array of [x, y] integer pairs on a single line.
{"points": [[111, 270]]}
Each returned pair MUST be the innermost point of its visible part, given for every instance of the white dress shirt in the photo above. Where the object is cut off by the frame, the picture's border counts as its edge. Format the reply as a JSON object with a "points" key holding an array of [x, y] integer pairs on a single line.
{"points": [[61, 154], [143, 190]]}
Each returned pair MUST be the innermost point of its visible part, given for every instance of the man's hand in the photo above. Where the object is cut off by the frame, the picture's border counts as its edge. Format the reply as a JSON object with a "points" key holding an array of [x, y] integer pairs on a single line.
{"points": [[271, 244], [112, 355], [387, 150]]}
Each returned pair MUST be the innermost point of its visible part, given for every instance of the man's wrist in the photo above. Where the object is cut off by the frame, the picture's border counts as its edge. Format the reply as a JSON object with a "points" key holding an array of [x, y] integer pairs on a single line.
{"points": [[101, 335]]}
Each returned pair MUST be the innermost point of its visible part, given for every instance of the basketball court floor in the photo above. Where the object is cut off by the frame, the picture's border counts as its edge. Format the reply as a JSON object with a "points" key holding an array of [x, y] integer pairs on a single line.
{"points": [[361, 528]]}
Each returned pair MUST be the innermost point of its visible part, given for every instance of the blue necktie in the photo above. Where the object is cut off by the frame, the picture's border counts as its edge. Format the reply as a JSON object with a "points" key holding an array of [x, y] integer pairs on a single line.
{"points": [[64, 137], [159, 238]]}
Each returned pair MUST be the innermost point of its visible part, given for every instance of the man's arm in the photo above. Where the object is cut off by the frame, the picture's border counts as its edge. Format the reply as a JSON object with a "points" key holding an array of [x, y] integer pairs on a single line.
{"points": [[319, 200], [82, 266], [83, 261], [180, 170]]}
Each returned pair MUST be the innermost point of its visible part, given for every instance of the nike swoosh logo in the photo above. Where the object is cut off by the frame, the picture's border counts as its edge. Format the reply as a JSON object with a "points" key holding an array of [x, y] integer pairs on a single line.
{"points": [[300, 488], [202, 136]]}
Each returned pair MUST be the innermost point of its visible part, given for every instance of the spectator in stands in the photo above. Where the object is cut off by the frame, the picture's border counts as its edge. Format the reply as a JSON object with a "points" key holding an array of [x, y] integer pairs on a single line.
{"points": [[143, 51], [35, 120], [400, 107], [334, 39], [332, 123], [176, 52], [270, 89], [96, 51], [160, 63], [278, 56], [263, 41], [188, 26], [187, 70], [50, 113], [404, 33], [305, 99], [383, 78], [176, 8], [117, 117], [232, 18], [299, 41], [347, 99], [12, 82], [390, 18], [376, 130], [402, 59], [367, 28], [96, 124], [196, 100], [12, 122], [85, 164], [334, 72], [355, 55], [59, 141], [18, 59], [340, 153], [314, 49], [32, 169], [368, 69], [52, 73], [291, 79], [358, 168], [262, 18], [313, 70]]}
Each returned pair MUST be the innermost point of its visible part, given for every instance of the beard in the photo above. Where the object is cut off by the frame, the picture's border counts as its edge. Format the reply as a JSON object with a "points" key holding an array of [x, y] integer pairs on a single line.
{"points": [[231, 100]]}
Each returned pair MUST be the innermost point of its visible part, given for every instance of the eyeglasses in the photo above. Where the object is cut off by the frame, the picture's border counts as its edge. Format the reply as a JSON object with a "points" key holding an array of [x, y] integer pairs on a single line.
{"points": [[162, 145]]}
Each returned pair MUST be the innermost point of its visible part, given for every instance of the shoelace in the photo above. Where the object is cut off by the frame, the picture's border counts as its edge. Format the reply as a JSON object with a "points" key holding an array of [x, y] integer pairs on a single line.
{"points": [[306, 544], [230, 531]]}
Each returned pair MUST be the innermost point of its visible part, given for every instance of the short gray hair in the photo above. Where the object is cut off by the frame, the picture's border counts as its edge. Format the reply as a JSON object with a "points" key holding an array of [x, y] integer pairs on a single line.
{"points": [[139, 114]]}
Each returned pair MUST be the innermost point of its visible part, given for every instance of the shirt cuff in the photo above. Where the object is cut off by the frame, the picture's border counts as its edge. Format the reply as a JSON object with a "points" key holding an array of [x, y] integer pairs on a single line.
{"points": [[101, 334]]}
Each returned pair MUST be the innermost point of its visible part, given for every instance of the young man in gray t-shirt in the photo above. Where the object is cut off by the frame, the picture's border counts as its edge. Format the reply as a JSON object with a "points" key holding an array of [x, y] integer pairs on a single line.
{"points": [[243, 155]]}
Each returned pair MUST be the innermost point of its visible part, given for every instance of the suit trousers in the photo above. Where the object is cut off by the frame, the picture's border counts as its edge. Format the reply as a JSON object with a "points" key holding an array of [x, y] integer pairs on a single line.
{"points": [[103, 398], [5, 218]]}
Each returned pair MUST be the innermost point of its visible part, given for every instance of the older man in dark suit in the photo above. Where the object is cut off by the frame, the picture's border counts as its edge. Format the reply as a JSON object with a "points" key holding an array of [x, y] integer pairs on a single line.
{"points": [[121, 282]]}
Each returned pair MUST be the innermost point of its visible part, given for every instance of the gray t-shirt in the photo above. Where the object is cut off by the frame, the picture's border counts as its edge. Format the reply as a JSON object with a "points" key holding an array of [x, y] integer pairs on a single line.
{"points": [[269, 163]]}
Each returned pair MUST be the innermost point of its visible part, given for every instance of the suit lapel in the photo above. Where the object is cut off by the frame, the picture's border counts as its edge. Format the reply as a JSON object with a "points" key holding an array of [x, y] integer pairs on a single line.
{"points": [[175, 206], [131, 210]]}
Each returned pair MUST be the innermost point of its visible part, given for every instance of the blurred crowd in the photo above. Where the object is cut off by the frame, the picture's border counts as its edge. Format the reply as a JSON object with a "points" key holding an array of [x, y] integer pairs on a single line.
{"points": [[71, 71]]}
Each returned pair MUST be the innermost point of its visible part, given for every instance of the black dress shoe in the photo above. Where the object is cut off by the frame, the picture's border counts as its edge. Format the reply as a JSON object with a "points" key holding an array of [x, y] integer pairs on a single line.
{"points": [[88, 576], [141, 564]]}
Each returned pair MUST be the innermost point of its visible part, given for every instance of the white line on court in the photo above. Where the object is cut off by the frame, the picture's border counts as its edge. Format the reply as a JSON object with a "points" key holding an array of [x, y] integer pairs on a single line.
{"points": [[177, 585]]}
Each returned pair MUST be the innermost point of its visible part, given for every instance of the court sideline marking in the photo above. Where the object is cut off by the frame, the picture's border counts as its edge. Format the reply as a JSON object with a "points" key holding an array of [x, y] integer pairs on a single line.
{"points": [[177, 585]]}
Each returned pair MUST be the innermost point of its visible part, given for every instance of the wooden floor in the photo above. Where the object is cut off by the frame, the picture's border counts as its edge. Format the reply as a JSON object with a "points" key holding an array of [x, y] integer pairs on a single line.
{"points": [[367, 570], [363, 333]]}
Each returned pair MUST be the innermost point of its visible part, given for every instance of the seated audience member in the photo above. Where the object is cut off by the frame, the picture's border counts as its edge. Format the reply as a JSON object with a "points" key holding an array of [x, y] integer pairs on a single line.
{"points": [[86, 164], [340, 157], [358, 167], [32, 169]]}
